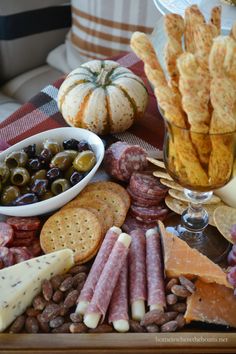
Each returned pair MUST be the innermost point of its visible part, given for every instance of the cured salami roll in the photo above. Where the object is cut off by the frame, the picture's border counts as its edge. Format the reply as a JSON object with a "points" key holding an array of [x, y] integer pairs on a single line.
{"points": [[105, 286], [155, 272], [137, 274], [97, 268], [118, 310], [122, 159]]}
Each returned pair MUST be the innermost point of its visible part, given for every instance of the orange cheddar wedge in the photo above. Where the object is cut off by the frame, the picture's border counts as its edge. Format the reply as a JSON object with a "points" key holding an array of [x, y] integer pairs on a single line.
{"points": [[211, 303], [181, 259]]}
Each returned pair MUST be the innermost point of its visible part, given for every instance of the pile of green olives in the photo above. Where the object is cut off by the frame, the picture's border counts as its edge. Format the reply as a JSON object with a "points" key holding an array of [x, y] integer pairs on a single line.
{"points": [[38, 173]]}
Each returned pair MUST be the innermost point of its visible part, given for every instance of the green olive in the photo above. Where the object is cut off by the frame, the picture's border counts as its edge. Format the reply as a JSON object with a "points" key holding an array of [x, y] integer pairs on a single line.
{"points": [[0, 186], [41, 174], [9, 194], [59, 185], [69, 172], [20, 176], [71, 153], [16, 159], [4, 172], [61, 160], [53, 146], [84, 161]]}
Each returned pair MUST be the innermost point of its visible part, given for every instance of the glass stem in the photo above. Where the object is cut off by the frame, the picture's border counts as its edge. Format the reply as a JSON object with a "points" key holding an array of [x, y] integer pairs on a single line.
{"points": [[195, 218]]}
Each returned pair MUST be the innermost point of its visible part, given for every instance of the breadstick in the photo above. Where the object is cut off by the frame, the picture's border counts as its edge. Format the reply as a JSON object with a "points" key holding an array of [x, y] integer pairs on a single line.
{"points": [[233, 31], [216, 18], [174, 26], [193, 17], [223, 99], [203, 38], [169, 101]]}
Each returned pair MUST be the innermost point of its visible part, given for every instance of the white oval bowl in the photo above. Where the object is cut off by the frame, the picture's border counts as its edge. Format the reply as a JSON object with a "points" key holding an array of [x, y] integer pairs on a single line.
{"points": [[56, 202]]}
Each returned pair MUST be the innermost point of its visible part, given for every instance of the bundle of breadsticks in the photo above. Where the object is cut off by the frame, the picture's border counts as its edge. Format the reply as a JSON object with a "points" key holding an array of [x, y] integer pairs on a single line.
{"points": [[199, 94]]}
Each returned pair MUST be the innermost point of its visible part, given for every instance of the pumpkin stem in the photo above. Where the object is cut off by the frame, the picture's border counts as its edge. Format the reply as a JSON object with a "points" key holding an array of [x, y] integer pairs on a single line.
{"points": [[103, 77]]}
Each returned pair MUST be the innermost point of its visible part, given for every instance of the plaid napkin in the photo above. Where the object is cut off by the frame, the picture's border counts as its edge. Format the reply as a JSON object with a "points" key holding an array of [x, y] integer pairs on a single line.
{"points": [[41, 114]]}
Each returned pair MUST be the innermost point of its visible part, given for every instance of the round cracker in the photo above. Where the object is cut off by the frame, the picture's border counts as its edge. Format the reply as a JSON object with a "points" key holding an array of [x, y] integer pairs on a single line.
{"points": [[101, 207], [225, 217], [155, 162], [109, 186], [113, 200], [178, 207], [171, 184], [162, 174], [181, 196], [75, 228]]}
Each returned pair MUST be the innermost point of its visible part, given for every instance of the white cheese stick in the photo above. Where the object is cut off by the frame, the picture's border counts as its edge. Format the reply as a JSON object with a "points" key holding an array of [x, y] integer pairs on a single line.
{"points": [[107, 282], [138, 310]]}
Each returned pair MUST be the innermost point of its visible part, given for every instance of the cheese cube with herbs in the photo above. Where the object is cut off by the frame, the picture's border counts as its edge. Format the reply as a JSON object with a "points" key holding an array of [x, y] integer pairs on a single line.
{"points": [[20, 283]]}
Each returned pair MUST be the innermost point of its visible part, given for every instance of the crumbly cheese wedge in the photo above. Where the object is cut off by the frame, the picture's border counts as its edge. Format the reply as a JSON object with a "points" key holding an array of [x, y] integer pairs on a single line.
{"points": [[20, 283]]}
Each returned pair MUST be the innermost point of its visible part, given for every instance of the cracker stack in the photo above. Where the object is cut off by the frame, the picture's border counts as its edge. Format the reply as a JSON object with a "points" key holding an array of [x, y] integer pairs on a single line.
{"points": [[82, 223], [199, 95]]}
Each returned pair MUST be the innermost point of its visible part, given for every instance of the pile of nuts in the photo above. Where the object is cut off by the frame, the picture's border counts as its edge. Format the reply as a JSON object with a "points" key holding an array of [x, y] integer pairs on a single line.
{"points": [[53, 310], [177, 291]]}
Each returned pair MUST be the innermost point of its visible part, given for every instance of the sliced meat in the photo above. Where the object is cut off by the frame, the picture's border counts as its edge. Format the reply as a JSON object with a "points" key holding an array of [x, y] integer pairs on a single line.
{"points": [[21, 254], [1, 264], [150, 213], [24, 224], [155, 271], [25, 234], [22, 242], [146, 184], [35, 248], [122, 159], [6, 234], [118, 309], [7, 256], [99, 263], [140, 200], [137, 266], [131, 223]]}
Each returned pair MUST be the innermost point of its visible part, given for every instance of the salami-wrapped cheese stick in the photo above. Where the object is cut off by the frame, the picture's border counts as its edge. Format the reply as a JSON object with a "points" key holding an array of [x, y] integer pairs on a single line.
{"points": [[155, 275], [96, 270], [137, 274], [107, 282], [118, 311]]}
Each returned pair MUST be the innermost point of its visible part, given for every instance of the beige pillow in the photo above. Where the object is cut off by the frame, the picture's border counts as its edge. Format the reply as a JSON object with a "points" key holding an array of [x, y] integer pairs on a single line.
{"points": [[102, 28], [28, 31]]}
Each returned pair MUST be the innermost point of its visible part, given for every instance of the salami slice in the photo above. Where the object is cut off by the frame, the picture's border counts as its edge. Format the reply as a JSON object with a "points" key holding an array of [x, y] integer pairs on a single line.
{"points": [[149, 214], [107, 281], [22, 242], [24, 234], [7, 256], [98, 265], [137, 266], [21, 254], [118, 309], [155, 272], [35, 248], [1, 264], [6, 234], [131, 223], [142, 201], [122, 159], [146, 184], [24, 224]]}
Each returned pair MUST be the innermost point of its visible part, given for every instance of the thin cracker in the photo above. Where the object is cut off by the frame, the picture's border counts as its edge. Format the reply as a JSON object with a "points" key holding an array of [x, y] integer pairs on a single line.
{"points": [[113, 200], [179, 207], [171, 184], [75, 228], [225, 217], [181, 196], [164, 175], [155, 162]]}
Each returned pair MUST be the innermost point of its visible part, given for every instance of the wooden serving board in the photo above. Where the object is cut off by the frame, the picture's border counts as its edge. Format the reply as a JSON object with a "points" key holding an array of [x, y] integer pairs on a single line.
{"points": [[208, 342]]}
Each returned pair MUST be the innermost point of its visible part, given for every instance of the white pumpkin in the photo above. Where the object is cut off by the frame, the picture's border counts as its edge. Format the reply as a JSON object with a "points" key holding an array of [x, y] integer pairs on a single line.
{"points": [[102, 96]]}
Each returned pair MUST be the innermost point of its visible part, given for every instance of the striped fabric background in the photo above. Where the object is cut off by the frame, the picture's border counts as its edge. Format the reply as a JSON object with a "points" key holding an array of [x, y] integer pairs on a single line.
{"points": [[102, 28]]}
